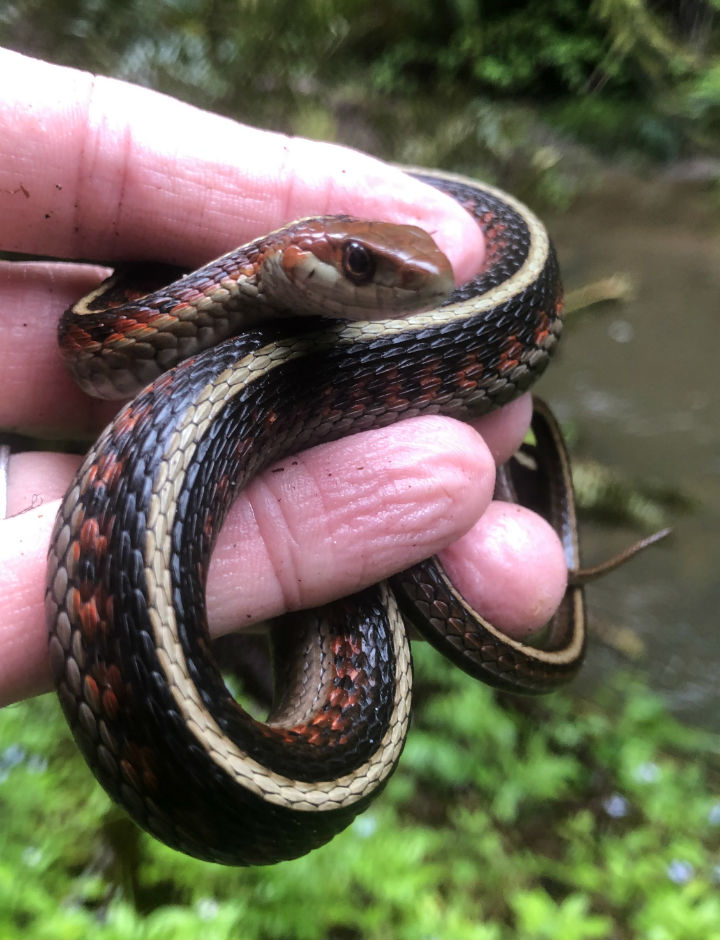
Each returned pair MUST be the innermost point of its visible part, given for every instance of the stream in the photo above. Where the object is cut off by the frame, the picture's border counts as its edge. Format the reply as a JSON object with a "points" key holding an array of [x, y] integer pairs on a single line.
{"points": [[639, 382]]}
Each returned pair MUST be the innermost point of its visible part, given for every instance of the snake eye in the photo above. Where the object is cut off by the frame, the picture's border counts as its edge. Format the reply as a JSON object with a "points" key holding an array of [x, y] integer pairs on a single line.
{"points": [[358, 263]]}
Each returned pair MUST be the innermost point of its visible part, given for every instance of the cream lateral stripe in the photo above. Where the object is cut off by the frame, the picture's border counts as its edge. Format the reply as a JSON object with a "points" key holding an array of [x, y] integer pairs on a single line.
{"points": [[565, 655], [367, 330], [270, 786], [527, 273]]}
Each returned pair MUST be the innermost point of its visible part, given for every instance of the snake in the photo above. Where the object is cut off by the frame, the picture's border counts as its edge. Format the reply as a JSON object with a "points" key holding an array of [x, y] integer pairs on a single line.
{"points": [[324, 328]]}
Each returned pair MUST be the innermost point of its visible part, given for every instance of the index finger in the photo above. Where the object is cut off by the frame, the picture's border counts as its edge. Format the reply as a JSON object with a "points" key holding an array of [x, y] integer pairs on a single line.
{"points": [[91, 167]]}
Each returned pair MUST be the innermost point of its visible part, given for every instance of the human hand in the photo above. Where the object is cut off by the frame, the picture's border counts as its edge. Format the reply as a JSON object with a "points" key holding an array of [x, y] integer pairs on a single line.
{"points": [[91, 167]]}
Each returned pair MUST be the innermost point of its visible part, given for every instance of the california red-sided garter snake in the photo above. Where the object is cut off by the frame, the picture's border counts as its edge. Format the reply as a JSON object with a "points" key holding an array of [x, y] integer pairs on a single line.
{"points": [[125, 597]]}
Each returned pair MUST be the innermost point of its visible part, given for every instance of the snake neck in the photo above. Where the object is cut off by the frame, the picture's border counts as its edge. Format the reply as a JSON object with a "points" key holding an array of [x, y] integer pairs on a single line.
{"points": [[147, 318]]}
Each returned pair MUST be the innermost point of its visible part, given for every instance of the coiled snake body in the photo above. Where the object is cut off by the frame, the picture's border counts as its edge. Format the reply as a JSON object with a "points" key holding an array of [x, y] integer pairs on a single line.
{"points": [[125, 599]]}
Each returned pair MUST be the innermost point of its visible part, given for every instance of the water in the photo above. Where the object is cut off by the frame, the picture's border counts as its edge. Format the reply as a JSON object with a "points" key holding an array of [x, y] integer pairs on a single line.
{"points": [[641, 383]]}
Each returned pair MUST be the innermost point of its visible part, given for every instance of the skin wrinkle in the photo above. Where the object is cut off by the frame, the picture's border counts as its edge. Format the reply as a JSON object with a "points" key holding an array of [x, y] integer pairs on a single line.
{"points": [[273, 513], [291, 177], [368, 514], [126, 150], [101, 138], [83, 172], [388, 509], [247, 529], [393, 495], [38, 394], [319, 527], [391, 499]]}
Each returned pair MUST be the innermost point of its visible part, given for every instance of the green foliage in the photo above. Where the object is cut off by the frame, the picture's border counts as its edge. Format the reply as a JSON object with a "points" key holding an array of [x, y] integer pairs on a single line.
{"points": [[604, 495], [634, 74], [543, 818]]}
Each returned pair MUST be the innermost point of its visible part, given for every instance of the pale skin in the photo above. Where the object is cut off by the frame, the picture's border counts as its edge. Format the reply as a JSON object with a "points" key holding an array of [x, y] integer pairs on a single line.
{"points": [[94, 168]]}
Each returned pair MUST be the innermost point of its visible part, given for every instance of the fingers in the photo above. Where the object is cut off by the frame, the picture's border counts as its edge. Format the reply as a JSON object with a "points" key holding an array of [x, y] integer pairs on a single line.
{"points": [[24, 665], [339, 517], [311, 528], [96, 168], [39, 397], [342, 516], [92, 167], [510, 567], [504, 430]]}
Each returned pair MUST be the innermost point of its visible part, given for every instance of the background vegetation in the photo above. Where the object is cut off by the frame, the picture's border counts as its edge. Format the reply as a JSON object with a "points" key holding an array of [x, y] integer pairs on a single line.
{"points": [[588, 814], [459, 82], [562, 818]]}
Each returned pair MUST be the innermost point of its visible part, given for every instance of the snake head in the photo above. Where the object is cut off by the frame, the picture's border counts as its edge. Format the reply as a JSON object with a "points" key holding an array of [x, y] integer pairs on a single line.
{"points": [[341, 267]]}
